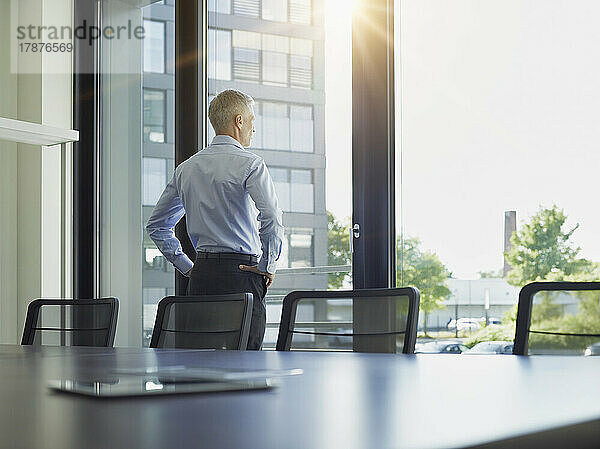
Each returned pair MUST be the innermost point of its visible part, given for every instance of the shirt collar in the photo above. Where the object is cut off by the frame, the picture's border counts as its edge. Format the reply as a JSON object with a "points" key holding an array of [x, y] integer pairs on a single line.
{"points": [[223, 139]]}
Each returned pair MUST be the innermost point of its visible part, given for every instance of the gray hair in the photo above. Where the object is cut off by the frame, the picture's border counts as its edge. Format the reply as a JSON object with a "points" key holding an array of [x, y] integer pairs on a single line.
{"points": [[225, 106]]}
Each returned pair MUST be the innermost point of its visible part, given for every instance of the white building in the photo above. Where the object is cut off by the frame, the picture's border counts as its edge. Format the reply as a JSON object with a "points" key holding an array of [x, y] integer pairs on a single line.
{"points": [[468, 300]]}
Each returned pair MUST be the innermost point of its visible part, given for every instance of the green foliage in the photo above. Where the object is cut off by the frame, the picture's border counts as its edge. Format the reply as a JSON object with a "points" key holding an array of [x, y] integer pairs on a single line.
{"points": [[494, 274], [426, 272], [494, 332], [549, 316], [338, 248], [542, 250]]}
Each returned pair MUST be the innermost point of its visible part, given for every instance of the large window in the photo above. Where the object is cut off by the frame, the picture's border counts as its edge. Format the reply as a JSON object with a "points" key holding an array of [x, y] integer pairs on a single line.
{"points": [[299, 74], [498, 142]]}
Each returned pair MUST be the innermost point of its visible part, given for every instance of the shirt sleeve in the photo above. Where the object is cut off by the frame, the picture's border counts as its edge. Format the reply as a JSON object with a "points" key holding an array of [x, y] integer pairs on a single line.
{"points": [[261, 189], [167, 212]]}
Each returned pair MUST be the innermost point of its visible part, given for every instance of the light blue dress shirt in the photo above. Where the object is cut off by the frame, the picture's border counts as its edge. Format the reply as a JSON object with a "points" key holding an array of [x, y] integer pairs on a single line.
{"points": [[221, 189]]}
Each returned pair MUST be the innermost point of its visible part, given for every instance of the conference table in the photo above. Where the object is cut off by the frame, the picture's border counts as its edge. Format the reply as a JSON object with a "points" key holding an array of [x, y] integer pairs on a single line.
{"points": [[341, 400]]}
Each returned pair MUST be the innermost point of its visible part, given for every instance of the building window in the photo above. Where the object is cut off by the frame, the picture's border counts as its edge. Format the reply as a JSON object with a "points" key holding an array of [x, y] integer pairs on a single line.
{"points": [[294, 188], [272, 59], [301, 63], [219, 54], [300, 12], [281, 181], [302, 128], [276, 10], [274, 68], [154, 179], [302, 195], [246, 55], [154, 115], [220, 6], [283, 127], [297, 249], [154, 46], [249, 8], [276, 126], [293, 11]]}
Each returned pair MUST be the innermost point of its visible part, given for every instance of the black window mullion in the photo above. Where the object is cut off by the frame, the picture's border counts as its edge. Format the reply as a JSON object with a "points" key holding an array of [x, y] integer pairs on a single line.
{"points": [[190, 80], [373, 145]]}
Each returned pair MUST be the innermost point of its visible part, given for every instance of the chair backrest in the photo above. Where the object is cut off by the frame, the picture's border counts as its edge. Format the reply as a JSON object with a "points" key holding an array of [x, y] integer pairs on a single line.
{"points": [[558, 318], [203, 322], [370, 320], [71, 322]]}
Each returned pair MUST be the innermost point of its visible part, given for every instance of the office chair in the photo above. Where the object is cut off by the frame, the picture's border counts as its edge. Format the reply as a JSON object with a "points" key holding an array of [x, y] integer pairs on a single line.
{"points": [[558, 318], [203, 322], [71, 322], [373, 320]]}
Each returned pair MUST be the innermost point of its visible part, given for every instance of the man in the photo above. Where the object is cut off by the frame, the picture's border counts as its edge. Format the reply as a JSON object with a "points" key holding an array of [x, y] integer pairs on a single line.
{"points": [[217, 189]]}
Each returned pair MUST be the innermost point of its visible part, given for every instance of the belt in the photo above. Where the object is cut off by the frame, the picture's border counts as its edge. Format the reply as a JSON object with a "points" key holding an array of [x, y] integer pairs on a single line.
{"points": [[248, 258]]}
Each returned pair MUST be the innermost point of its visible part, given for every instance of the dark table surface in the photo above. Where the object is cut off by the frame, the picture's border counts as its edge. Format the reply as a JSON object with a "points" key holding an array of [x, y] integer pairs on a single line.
{"points": [[342, 400]]}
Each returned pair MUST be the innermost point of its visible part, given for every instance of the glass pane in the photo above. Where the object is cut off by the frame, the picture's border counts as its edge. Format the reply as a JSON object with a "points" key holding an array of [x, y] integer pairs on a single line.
{"points": [[275, 70], [246, 64], [565, 323], [154, 115], [154, 180], [498, 151], [343, 324], [300, 11], [300, 78], [301, 134], [154, 46], [275, 10], [55, 325], [219, 63], [246, 7], [301, 71], [301, 249], [276, 126], [221, 6], [137, 160]]}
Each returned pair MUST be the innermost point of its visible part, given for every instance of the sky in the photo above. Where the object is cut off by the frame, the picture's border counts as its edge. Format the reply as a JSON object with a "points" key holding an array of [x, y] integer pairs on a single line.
{"points": [[498, 109]]}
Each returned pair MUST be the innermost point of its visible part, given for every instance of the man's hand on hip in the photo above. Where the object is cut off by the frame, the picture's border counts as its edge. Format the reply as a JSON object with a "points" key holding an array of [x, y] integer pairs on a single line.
{"points": [[254, 268]]}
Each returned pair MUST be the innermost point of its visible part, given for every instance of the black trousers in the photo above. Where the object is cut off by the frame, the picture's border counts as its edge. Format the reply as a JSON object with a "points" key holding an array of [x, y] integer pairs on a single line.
{"points": [[222, 276]]}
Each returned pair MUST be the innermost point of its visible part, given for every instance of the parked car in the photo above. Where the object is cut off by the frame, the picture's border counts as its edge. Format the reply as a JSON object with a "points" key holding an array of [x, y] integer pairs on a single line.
{"points": [[441, 347], [491, 347], [593, 349], [465, 323]]}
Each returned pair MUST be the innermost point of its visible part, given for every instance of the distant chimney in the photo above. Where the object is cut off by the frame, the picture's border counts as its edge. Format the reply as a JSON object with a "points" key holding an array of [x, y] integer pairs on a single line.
{"points": [[510, 226]]}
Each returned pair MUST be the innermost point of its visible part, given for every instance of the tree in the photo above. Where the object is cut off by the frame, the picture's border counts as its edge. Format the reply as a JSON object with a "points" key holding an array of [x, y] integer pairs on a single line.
{"points": [[542, 250], [426, 272], [338, 246]]}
